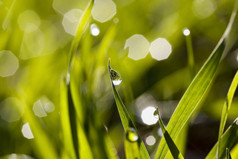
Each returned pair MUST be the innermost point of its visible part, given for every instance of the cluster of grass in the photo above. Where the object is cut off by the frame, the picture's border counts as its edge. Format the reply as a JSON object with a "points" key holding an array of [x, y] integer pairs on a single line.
{"points": [[81, 132]]}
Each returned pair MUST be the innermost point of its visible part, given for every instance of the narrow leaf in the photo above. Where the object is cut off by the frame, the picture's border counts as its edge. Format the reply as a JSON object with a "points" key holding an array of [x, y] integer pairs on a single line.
{"points": [[228, 155], [226, 108], [172, 147], [131, 146], [228, 139], [195, 92], [127, 121]]}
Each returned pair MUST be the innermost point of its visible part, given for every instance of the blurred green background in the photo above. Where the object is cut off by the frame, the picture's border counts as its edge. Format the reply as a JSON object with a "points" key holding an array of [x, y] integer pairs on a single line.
{"points": [[35, 39]]}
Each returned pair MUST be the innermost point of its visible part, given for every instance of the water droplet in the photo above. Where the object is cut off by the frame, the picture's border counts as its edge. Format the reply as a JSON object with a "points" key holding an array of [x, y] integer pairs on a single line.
{"points": [[156, 113], [131, 135], [94, 30], [186, 32], [116, 77]]}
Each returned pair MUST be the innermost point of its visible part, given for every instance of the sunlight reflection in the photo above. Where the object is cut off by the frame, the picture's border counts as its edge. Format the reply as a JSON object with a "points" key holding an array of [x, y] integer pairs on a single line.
{"points": [[71, 21], [28, 21], [160, 49], [147, 115], [103, 10], [26, 131], [11, 109], [17, 156], [160, 132], [150, 140], [186, 32], [204, 8], [138, 47], [43, 106], [8, 63], [94, 30]]}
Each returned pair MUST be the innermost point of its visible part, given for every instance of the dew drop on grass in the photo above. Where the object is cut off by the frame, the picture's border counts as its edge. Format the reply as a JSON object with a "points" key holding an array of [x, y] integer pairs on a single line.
{"points": [[131, 135], [116, 77], [156, 113]]}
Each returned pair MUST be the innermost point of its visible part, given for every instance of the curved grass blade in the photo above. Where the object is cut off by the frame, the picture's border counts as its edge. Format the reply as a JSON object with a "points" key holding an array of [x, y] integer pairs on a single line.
{"points": [[126, 120], [44, 147], [228, 155], [226, 108], [65, 121], [81, 27], [228, 139], [172, 147], [195, 92]]}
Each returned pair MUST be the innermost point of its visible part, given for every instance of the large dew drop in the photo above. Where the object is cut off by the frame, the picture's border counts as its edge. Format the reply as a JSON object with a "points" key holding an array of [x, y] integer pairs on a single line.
{"points": [[131, 135], [116, 77]]}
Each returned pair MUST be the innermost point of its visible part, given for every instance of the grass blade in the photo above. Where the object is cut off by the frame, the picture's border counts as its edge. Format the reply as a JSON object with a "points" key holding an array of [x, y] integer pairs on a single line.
{"points": [[172, 147], [81, 27], [127, 121], [195, 92], [65, 121], [44, 146], [228, 155], [228, 139], [226, 108]]}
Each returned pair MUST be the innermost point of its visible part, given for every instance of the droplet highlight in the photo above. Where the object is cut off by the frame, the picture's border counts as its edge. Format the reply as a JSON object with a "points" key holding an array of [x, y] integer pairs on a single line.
{"points": [[186, 32], [131, 135], [116, 77]]}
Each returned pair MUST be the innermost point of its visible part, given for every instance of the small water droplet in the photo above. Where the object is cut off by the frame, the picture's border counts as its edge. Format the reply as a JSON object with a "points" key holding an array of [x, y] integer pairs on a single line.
{"points": [[131, 135], [156, 113], [116, 77]]}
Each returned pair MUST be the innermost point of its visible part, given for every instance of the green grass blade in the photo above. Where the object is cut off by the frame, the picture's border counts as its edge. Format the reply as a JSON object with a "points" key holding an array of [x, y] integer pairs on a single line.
{"points": [[228, 155], [81, 27], [226, 108], [172, 147], [127, 121], [65, 121], [228, 139], [195, 92], [44, 146], [131, 147]]}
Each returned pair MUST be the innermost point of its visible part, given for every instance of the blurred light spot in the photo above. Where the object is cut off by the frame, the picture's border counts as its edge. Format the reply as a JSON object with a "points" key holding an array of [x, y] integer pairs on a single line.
{"points": [[115, 20], [8, 63], [64, 6], [160, 132], [138, 47], [150, 140], [43, 106], [32, 45], [160, 49], [71, 21], [103, 10], [17, 156], [94, 30], [148, 117], [186, 32], [28, 21], [26, 131], [204, 8], [11, 109]]}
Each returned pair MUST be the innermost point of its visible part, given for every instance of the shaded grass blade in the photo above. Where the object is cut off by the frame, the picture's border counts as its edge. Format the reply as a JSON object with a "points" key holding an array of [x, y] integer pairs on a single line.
{"points": [[195, 92], [226, 108], [228, 155], [228, 139], [126, 120], [172, 147]]}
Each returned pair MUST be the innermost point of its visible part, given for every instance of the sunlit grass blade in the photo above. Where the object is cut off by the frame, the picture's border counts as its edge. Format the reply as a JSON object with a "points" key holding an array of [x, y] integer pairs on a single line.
{"points": [[43, 145], [234, 151], [81, 27], [226, 108], [195, 92], [228, 139], [110, 148], [65, 121], [131, 146], [126, 120], [172, 147], [228, 155]]}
